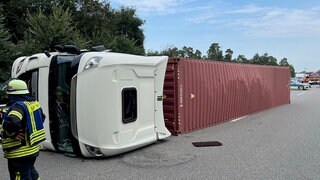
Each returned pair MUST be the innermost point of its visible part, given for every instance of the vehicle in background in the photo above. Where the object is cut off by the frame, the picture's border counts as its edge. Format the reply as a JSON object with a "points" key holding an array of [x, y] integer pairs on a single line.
{"points": [[302, 82], [309, 77], [312, 80], [295, 84]]}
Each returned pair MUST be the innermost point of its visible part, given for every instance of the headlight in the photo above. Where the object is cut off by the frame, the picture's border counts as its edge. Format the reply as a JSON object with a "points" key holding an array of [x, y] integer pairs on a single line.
{"points": [[92, 62], [94, 150]]}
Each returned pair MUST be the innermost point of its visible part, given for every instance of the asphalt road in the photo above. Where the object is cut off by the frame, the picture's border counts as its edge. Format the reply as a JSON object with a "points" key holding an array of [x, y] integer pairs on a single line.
{"points": [[280, 143]]}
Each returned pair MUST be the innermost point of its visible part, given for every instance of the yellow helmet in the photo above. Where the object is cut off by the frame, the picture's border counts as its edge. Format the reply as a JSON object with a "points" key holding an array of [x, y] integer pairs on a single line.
{"points": [[17, 86]]}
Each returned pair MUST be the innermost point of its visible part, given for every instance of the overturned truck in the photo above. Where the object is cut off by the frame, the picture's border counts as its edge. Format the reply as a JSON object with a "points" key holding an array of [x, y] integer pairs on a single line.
{"points": [[100, 103], [97, 103]]}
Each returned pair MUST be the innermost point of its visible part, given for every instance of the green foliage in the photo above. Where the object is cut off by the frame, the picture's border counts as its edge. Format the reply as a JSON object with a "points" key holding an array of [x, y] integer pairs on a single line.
{"points": [[214, 52], [93, 19], [101, 37], [242, 59], [292, 71], [185, 52], [124, 45], [78, 22], [228, 55], [18, 10], [153, 53], [100, 24], [172, 52], [47, 31], [6, 51], [127, 24], [283, 62], [265, 59], [188, 52]]}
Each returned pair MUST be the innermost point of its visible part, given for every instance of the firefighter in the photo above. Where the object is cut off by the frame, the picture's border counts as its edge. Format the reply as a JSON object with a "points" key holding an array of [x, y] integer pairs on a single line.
{"points": [[22, 131]]}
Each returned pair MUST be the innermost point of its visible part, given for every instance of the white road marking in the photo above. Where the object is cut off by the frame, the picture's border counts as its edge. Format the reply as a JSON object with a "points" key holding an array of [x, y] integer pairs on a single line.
{"points": [[300, 93], [238, 119]]}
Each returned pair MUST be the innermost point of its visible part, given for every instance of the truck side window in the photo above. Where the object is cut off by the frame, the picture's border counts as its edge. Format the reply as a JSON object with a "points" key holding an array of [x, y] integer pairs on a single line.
{"points": [[31, 78], [129, 105]]}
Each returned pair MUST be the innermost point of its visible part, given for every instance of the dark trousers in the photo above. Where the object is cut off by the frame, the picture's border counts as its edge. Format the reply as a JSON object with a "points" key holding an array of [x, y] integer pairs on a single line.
{"points": [[23, 168]]}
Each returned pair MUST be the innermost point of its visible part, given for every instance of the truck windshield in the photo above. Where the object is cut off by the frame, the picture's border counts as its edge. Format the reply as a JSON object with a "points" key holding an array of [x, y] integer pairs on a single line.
{"points": [[60, 76]]}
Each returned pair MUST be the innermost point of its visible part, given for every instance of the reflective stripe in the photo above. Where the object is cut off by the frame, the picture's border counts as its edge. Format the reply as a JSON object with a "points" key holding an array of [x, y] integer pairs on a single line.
{"points": [[36, 135], [38, 138], [21, 152], [31, 108], [18, 176], [9, 143], [16, 113]]}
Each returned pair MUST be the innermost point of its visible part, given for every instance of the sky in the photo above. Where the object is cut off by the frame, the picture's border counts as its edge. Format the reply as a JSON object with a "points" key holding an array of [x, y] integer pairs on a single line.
{"points": [[283, 28]]}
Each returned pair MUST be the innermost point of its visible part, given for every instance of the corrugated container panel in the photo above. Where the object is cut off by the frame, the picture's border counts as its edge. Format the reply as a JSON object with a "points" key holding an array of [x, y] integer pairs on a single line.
{"points": [[200, 93], [169, 103]]}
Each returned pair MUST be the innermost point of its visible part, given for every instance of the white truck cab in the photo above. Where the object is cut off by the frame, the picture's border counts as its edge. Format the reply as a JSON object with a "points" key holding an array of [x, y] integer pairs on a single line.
{"points": [[97, 103]]}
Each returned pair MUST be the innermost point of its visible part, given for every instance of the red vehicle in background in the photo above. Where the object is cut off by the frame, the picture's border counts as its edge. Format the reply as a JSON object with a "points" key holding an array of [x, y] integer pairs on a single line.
{"points": [[311, 80], [309, 77]]}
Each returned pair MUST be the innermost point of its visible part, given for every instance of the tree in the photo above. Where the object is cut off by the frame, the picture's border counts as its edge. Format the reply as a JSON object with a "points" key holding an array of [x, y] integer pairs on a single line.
{"points": [[292, 71], [94, 20], [255, 59], [185, 52], [271, 61], [153, 53], [127, 24], [7, 53], [188, 52], [18, 10], [265, 59], [242, 59], [228, 55], [100, 24], [46, 31], [124, 45], [171, 52], [283, 62], [214, 52], [198, 54]]}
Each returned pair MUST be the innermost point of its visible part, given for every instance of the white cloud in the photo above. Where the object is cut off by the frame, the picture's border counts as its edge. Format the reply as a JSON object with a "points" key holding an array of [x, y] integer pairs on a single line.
{"points": [[252, 20], [275, 22], [248, 9], [157, 6], [264, 21]]}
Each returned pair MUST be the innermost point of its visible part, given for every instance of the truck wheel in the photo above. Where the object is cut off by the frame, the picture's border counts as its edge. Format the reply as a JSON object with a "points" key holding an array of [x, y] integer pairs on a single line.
{"points": [[300, 87]]}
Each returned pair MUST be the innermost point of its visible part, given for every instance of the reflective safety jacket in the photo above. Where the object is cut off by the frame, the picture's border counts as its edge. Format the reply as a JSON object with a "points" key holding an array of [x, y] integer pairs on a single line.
{"points": [[33, 130]]}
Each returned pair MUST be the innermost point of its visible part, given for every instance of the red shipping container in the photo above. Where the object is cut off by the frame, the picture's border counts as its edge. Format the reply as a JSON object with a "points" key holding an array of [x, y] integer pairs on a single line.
{"points": [[202, 93]]}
